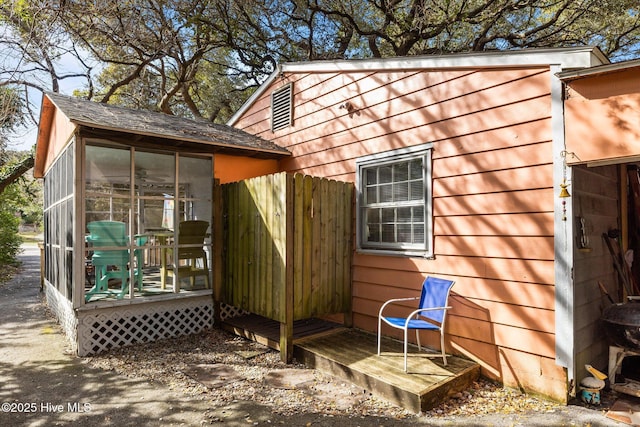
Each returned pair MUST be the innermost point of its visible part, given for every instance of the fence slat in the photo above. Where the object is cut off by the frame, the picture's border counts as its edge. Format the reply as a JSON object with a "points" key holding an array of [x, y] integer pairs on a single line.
{"points": [[298, 242], [307, 232]]}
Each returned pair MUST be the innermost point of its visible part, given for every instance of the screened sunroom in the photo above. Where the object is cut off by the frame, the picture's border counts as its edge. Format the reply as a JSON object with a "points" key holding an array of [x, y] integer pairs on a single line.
{"points": [[149, 206], [128, 212]]}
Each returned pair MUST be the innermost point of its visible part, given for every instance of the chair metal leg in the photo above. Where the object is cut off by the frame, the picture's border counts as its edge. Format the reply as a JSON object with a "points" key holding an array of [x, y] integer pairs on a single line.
{"points": [[379, 325], [405, 348], [444, 356]]}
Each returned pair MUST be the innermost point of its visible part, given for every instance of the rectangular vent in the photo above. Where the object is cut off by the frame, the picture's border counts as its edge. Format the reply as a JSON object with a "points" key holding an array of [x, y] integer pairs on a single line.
{"points": [[281, 108]]}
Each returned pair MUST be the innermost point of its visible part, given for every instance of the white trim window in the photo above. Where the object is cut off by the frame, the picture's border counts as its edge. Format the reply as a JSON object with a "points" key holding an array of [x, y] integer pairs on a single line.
{"points": [[394, 202]]}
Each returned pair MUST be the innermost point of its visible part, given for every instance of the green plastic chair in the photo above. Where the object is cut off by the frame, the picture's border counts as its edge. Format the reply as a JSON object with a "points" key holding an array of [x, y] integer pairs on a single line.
{"points": [[109, 263]]}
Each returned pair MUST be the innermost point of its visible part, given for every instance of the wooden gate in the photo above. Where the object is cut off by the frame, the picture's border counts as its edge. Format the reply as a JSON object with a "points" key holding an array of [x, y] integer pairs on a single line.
{"points": [[287, 248]]}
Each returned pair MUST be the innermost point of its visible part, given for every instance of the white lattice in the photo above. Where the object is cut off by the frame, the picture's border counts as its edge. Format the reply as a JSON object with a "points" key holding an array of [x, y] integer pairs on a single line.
{"points": [[228, 311], [100, 330], [63, 310]]}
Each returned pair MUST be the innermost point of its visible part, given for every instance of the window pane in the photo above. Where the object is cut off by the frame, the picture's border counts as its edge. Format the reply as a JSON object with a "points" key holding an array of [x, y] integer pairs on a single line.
{"points": [[388, 233], [385, 174], [155, 173], [404, 233], [374, 233], [196, 178], [401, 171], [401, 191], [404, 214], [418, 233], [386, 193], [416, 190], [108, 184], [108, 167], [388, 215], [415, 169], [372, 176], [372, 195], [373, 216]]}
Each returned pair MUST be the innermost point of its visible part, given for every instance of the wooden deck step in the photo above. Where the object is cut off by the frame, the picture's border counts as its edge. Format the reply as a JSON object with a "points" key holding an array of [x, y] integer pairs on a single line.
{"points": [[352, 354], [267, 331]]}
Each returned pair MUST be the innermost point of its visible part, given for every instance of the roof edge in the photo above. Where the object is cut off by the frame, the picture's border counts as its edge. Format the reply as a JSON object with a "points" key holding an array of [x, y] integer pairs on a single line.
{"points": [[282, 152], [567, 58], [258, 93], [571, 75], [47, 111], [572, 57], [79, 122]]}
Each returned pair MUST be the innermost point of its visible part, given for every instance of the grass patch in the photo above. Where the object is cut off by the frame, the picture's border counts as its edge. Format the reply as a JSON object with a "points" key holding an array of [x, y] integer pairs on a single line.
{"points": [[31, 237]]}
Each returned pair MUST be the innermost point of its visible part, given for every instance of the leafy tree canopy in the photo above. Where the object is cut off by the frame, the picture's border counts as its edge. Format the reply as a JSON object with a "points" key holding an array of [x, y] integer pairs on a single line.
{"points": [[203, 58]]}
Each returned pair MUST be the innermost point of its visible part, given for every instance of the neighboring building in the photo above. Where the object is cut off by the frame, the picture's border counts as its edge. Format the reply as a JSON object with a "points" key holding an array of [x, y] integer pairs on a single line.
{"points": [[458, 162]]}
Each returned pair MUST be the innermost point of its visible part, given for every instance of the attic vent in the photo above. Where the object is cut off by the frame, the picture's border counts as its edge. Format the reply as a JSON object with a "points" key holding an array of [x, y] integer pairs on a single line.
{"points": [[281, 108]]}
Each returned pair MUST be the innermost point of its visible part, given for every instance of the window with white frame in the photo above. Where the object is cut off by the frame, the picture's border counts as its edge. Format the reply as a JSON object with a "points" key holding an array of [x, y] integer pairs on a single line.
{"points": [[394, 201]]}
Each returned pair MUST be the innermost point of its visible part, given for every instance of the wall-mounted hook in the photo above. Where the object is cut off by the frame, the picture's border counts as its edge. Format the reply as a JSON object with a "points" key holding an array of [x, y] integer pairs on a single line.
{"points": [[351, 109]]}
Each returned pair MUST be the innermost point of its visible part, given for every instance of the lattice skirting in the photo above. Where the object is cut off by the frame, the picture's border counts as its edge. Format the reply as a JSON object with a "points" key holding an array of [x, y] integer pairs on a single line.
{"points": [[63, 310], [102, 329], [228, 311]]}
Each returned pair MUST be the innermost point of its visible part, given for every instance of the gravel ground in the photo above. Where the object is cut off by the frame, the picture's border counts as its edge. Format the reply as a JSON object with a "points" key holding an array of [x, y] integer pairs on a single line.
{"points": [[232, 369], [214, 378]]}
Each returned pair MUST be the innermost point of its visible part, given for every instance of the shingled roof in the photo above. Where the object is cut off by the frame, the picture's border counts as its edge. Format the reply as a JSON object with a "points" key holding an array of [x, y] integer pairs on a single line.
{"points": [[220, 138]]}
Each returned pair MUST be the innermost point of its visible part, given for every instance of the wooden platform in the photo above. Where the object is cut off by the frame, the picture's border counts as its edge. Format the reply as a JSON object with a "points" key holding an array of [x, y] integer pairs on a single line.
{"points": [[352, 355], [267, 331]]}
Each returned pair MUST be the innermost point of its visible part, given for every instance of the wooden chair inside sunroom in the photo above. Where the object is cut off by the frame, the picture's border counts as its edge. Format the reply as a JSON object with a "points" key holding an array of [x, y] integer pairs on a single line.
{"points": [[429, 315], [191, 260]]}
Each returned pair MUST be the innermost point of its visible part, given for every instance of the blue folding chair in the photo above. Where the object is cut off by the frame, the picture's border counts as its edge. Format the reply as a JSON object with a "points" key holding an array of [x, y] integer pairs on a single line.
{"points": [[430, 314]]}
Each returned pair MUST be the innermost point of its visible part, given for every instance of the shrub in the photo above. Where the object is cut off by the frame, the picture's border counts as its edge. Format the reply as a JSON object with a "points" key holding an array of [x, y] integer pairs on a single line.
{"points": [[9, 239]]}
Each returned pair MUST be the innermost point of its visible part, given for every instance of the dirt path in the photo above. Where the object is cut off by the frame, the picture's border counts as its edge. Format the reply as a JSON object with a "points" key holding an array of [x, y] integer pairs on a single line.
{"points": [[42, 384]]}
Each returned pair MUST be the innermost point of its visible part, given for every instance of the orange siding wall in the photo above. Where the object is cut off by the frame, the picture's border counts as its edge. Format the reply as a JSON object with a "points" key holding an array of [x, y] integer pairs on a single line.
{"points": [[602, 115], [235, 168], [492, 199], [61, 131]]}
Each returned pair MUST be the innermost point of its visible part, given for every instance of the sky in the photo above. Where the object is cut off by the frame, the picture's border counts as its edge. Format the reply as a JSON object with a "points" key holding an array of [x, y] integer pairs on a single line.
{"points": [[23, 139]]}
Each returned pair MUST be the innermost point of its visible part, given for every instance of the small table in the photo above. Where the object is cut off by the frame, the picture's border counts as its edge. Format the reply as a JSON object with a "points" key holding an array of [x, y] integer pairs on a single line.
{"points": [[161, 238]]}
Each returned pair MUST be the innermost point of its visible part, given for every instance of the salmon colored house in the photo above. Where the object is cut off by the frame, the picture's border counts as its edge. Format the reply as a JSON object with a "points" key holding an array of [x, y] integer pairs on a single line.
{"points": [[458, 162]]}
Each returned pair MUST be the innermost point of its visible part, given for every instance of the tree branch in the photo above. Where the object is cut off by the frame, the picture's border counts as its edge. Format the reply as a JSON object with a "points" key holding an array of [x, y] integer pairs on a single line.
{"points": [[14, 173]]}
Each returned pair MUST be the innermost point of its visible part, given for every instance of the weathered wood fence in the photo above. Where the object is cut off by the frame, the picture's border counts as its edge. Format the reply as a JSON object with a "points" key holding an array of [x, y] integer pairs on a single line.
{"points": [[287, 248]]}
